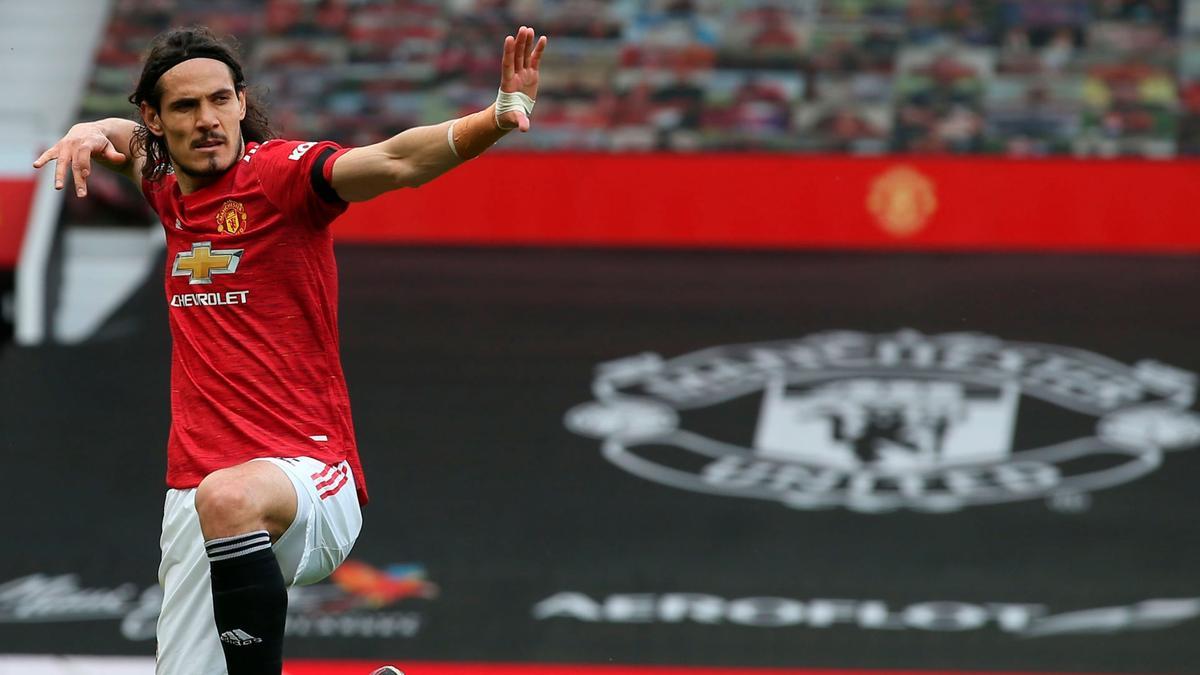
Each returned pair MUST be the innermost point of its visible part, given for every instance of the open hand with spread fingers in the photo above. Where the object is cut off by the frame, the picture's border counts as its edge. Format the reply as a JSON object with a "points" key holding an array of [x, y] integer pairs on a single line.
{"points": [[75, 152], [519, 75]]}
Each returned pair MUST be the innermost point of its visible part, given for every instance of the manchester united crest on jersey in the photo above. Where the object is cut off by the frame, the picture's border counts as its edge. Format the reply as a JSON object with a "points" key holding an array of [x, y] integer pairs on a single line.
{"points": [[231, 219]]}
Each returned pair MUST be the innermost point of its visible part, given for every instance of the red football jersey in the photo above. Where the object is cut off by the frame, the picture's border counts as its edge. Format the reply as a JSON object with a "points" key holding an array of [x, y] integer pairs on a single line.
{"points": [[251, 288]]}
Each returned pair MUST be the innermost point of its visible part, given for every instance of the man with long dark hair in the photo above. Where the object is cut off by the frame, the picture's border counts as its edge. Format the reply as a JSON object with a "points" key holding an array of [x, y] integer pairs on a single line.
{"points": [[265, 484]]}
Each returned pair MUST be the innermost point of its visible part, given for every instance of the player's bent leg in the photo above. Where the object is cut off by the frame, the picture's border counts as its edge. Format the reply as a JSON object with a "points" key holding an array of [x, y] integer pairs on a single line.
{"points": [[187, 641], [328, 519], [246, 498], [242, 510]]}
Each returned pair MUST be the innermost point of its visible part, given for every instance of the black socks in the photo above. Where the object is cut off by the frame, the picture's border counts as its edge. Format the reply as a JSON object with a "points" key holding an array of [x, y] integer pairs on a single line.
{"points": [[249, 602]]}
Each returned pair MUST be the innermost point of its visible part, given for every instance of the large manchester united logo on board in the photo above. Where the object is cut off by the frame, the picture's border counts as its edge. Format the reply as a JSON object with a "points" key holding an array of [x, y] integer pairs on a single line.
{"points": [[877, 423]]}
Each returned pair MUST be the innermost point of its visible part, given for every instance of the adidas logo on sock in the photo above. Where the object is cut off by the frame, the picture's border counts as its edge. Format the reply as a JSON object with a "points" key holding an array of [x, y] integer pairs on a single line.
{"points": [[239, 637]]}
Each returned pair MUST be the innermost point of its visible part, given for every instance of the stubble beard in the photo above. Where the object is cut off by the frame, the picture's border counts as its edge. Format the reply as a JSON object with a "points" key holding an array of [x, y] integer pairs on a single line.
{"points": [[211, 168]]}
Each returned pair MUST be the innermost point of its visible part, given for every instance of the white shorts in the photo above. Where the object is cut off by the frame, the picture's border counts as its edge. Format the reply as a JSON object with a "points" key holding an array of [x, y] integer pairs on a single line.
{"points": [[326, 526]]}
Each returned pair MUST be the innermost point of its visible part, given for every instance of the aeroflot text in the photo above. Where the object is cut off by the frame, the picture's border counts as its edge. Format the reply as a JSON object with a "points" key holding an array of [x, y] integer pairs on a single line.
{"points": [[1025, 619], [210, 299]]}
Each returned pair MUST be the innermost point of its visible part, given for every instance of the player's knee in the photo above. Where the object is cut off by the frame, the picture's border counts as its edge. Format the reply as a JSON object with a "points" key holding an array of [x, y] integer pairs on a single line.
{"points": [[226, 506]]}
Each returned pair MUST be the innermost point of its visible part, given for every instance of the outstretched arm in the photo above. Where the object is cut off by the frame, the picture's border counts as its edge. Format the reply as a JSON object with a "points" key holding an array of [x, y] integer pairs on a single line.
{"points": [[420, 154], [106, 141]]}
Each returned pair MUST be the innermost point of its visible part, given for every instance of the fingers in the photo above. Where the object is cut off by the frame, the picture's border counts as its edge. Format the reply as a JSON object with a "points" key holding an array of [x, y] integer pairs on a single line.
{"points": [[112, 154], [60, 170], [519, 47], [75, 154], [507, 64], [81, 168], [535, 60], [521, 53], [528, 46], [45, 157], [522, 121]]}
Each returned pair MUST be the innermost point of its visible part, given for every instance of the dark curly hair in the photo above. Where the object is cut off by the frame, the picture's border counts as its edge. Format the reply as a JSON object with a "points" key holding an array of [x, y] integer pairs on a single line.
{"points": [[168, 50]]}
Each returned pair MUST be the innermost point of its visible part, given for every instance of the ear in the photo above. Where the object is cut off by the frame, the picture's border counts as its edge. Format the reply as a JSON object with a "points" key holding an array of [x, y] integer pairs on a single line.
{"points": [[242, 104], [151, 119]]}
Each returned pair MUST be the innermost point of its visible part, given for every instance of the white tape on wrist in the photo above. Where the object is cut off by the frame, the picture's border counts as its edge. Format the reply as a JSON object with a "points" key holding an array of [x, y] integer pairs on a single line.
{"points": [[450, 138], [508, 101]]}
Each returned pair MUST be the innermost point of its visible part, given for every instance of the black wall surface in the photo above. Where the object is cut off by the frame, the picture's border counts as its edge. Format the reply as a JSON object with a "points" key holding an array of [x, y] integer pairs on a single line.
{"points": [[496, 533]]}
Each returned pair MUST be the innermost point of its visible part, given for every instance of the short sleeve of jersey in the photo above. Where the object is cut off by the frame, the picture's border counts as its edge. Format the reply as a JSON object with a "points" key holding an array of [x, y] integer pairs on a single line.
{"points": [[296, 177]]}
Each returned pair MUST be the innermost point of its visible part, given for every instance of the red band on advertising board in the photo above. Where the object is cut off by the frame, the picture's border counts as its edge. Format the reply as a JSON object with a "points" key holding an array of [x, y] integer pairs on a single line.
{"points": [[424, 668], [776, 201]]}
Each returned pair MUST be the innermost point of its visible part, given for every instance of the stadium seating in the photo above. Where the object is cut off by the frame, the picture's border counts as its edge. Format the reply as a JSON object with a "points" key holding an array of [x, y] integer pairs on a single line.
{"points": [[1014, 77]]}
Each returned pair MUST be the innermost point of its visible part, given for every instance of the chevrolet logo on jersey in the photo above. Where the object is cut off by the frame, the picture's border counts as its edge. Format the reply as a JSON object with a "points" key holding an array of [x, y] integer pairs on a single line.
{"points": [[203, 261]]}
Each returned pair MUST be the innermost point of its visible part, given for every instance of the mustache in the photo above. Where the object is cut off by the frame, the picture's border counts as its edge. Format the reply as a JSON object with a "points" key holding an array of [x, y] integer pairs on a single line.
{"points": [[219, 138]]}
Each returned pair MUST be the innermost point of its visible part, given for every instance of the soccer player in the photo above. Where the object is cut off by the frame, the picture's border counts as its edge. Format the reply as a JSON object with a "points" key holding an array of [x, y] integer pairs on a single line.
{"points": [[265, 485]]}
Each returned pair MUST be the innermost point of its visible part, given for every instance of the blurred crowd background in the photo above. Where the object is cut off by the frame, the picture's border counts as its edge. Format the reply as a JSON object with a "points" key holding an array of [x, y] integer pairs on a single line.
{"points": [[1094, 78]]}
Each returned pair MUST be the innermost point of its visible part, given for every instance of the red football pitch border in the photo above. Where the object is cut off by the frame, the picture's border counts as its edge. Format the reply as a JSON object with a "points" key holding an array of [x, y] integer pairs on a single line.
{"points": [[428, 668]]}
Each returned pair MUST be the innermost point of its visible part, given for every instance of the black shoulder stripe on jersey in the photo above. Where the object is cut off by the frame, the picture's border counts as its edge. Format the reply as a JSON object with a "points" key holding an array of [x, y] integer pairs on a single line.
{"points": [[319, 184]]}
